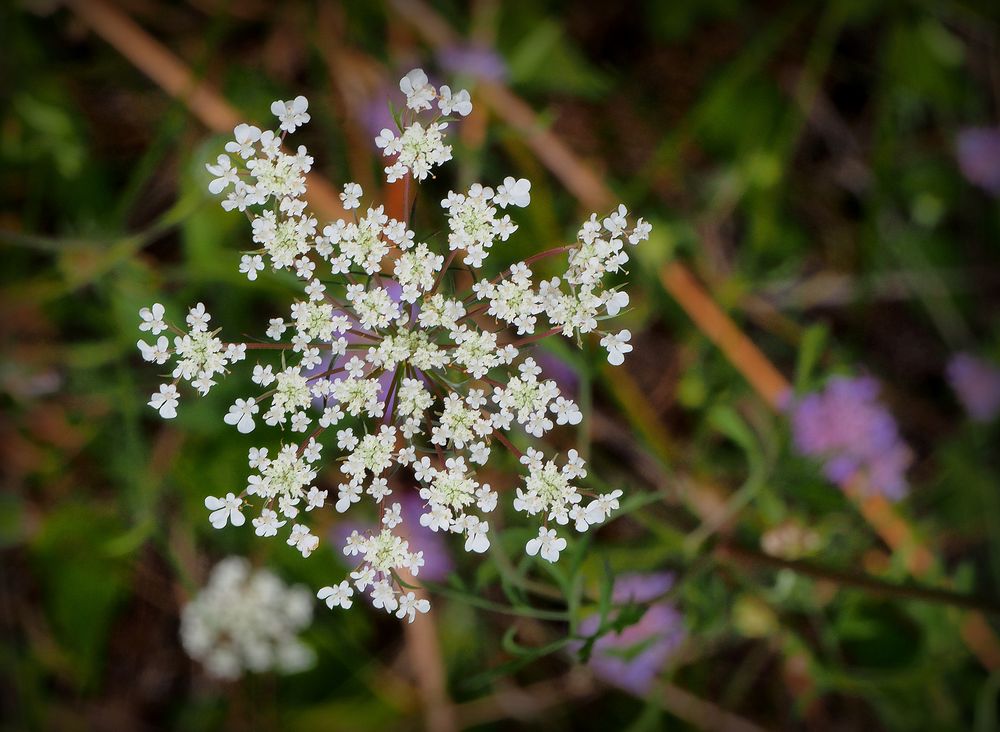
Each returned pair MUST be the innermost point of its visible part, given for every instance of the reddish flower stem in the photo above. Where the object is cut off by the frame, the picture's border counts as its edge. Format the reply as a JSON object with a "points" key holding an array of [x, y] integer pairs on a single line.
{"points": [[536, 337], [315, 433], [509, 445], [527, 262], [444, 271]]}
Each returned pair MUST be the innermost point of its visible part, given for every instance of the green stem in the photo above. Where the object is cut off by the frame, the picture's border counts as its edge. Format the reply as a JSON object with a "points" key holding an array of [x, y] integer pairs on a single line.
{"points": [[752, 557]]}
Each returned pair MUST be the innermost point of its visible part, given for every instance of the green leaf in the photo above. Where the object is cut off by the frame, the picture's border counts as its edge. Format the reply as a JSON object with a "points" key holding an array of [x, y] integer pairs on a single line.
{"points": [[876, 635], [545, 59], [82, 586], [810, 350], [524, 657]]}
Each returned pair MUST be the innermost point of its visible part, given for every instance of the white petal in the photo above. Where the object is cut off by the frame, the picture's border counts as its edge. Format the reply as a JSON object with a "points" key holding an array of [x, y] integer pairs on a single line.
{"points": [[219, 518]]}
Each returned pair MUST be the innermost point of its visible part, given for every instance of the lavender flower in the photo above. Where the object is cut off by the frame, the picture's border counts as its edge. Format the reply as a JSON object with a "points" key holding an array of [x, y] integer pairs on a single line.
{"points": [[475, 60], [632, 658], [846, 427], [976, 382], [562, 372], [437, 560], [374, 113], [978, 151]]}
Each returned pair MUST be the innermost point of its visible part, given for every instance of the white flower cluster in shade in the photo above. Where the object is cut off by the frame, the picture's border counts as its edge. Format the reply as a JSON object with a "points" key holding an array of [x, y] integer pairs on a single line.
{"points": [[199, 354], [387, 360], [247, 620]]}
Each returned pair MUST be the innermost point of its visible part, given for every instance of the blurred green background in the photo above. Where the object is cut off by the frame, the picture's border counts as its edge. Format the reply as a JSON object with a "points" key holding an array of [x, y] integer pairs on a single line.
{"points": [[802, 158]]}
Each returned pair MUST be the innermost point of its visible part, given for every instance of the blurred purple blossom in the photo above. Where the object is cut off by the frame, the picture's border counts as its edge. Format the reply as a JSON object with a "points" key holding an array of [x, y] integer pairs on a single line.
{"points": [[473, 59], [976, 382], [851, 432], [437, 560], [374, 113], [560, 371], [632, 658], [329, 362], [978, 150]]}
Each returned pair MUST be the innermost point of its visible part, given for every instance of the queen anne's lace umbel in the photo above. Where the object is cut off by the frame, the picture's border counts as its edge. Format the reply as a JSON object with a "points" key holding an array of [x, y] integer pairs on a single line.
{"points": [[390, 364], [247, 620]]}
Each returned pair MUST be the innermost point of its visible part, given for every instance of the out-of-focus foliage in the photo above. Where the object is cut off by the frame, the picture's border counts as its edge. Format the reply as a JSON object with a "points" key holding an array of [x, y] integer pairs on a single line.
{"points": [[800, 156]]}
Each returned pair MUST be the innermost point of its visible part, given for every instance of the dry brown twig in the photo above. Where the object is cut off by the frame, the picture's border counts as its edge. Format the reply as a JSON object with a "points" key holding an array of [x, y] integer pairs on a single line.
{"points": [[529, 702], [174, 77]]}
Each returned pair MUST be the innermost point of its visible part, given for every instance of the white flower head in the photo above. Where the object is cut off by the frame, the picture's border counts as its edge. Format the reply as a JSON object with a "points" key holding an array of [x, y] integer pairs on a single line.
{"points": [[250, 265], [460, 102], [547, 545], [337, 595], [291, 114], [267, 524], [152, 319], [241, 415], [385, 366], [244, 139], [351, 196], [419, 92], [225, 511], [247, 620], [157, 352], [410, 605], [165, 401], [617, 345], [617, 301], [513, 192]]}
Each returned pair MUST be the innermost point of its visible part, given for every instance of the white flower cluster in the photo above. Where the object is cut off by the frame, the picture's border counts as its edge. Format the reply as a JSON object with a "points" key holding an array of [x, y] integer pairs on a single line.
{"points": [[247, 620], [418, 148], [385, 357], [200, 355]]}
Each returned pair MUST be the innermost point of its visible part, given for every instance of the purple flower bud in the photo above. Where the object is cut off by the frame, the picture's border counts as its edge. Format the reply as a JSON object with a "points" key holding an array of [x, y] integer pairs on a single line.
{"points": [[977, 384], [978, 150]]}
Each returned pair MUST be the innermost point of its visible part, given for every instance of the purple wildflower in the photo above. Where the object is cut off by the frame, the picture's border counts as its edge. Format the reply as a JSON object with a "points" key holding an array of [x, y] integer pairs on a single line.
{"points": [[374, 114], [561, 372], [978, 150], [437, 561], [633, 657], [475, 60], [852, 433], [976, 382], [339, 362]]}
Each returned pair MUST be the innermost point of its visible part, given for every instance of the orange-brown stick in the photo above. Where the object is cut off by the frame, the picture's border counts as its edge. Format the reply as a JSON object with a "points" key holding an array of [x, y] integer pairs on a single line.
{"points": [[174, 77]]}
